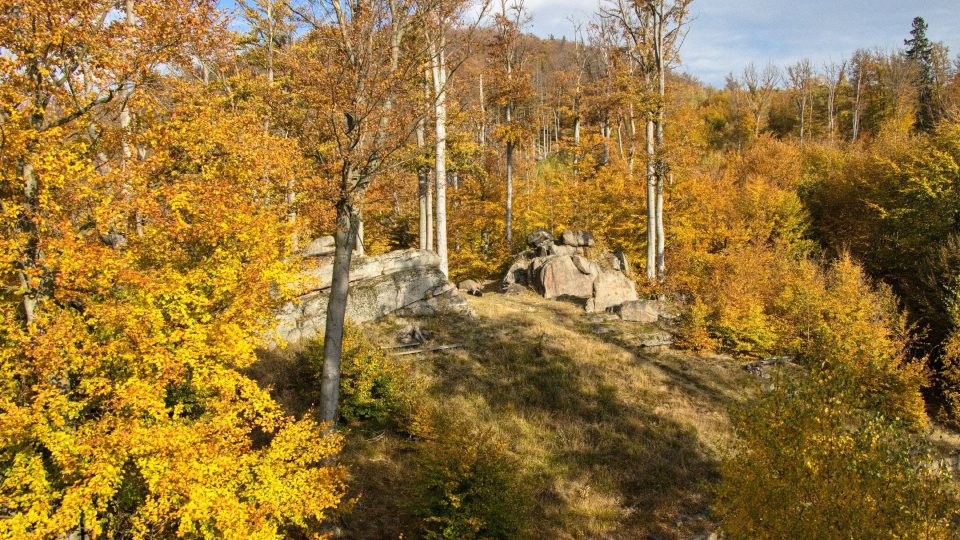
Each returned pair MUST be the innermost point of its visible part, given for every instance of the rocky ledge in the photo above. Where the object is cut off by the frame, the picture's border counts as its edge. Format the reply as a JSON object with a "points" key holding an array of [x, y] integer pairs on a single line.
{"points": [[407, 282]]}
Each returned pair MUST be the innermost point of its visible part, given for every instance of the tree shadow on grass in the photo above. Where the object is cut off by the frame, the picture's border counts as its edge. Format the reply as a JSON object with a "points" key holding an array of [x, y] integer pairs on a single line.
{"points": [[598, 459], [613, 467]]}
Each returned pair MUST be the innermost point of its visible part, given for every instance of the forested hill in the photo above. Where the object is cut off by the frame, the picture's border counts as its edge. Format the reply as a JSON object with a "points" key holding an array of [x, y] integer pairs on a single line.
{"points": [[295, 269]]}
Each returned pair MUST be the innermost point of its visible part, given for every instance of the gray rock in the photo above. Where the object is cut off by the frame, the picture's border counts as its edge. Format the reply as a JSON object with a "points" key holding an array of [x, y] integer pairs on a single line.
{"points": [[623, 263], [643, 311], [558, 276], [363, 268], [611, 288], [585, 265], [470, 286], [540, 237], [404, 280], [656, 339], [513, 289], [318, 247], [577, 238], [559, 249], [518, 273]]}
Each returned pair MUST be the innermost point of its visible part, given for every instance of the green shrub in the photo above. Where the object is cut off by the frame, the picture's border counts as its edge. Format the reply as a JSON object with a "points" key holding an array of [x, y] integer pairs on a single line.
{"points": [[469, 488], [373, 386], [810, 466]]}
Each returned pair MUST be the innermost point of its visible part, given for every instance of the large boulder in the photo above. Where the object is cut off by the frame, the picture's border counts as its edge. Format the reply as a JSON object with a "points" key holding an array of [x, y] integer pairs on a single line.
{"points": [[611, 288], [558, 276], [577, 238], [564, 270], [409, 281], [540, 238]]}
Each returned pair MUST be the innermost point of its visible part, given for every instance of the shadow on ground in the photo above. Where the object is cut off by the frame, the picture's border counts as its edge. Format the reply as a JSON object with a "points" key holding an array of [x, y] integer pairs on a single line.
{"points": [[614, 441]]}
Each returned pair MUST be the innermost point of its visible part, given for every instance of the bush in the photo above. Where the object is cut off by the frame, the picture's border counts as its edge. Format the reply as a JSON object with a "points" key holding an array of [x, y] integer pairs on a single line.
{"points": [[373, 386], [810, 466], [469, 488], [842, 323]]}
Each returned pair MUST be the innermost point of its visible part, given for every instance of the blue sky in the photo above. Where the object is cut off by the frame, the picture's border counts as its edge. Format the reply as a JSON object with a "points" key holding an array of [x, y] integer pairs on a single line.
{"points": [[725, 35]]}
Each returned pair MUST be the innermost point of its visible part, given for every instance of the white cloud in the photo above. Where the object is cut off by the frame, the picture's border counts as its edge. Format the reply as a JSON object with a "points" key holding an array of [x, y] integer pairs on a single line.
{"points": [[725, 35]]}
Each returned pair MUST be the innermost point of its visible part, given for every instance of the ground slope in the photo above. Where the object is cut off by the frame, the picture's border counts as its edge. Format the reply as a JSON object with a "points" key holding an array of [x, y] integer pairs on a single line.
{"points": [[615, 440]]}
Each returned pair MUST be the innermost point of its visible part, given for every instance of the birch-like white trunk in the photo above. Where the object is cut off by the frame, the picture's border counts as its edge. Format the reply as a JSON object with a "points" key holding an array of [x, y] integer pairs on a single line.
{"points": [[439, 70]]}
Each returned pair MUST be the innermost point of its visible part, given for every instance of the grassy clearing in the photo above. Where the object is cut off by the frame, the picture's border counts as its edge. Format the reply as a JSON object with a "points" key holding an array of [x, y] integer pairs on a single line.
{"points": [[607, 439], [613, 440]]}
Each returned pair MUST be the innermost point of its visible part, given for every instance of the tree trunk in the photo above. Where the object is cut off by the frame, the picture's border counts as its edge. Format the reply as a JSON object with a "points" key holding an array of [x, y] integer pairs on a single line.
{"points": [[483, 115], [576, 120], [30, 255], [291, 199], [661, 237], [509, 204], [661, 165], [423, 193], [856, 107], [439, 69], [347, 224], [803, 109], [605, 131], [651, 204]]}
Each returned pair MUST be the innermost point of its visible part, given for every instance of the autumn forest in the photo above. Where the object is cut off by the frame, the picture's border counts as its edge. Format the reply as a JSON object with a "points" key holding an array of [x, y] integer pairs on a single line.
{"points": [[405, 269]]}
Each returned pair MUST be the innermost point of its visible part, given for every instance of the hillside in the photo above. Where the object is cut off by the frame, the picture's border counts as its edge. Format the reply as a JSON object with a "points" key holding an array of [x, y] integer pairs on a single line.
{"points": [[614, 440]]}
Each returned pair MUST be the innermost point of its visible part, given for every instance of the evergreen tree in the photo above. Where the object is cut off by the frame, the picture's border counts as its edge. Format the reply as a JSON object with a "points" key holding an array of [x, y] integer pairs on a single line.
{"points": [[920, 52]]}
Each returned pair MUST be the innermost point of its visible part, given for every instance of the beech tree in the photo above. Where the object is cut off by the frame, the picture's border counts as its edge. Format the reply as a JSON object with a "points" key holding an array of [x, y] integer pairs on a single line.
{"points": [[514, 88], [654, 30], [761, 85], [833, 73], [350, 72], [801, 80], [142, 289]]}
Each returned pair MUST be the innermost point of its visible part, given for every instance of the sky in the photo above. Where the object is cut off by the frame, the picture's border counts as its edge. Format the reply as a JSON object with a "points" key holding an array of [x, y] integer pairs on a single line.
{"points": [[726, 35]]}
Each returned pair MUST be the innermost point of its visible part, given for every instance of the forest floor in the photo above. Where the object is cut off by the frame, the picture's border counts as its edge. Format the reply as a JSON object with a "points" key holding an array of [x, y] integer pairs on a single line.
{"points": [[613, 439], [610, 439]]}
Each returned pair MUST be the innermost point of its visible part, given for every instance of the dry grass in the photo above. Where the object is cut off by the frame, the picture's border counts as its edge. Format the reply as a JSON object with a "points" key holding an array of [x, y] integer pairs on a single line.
{"points": [[614, 441]]}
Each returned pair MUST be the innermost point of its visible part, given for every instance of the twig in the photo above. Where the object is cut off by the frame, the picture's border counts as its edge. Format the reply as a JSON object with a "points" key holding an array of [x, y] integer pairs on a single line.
{"points": [[403, 346], [431, 349]]}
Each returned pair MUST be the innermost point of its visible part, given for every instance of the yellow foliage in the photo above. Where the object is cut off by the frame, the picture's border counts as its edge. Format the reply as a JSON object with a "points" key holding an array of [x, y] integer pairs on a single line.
{"points": [[123, 410], [810, 466]]}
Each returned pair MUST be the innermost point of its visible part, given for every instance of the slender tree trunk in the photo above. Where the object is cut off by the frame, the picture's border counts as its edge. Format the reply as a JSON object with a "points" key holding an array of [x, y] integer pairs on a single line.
{"points": [[291, 199], [651, 204], [831, 97], [430, 244], [605, 131], [271, 38], [29, 258], [358, 248], [346, 232], [438, 67], [856, 107], [661, 236], [509, 203], [423, 192], [623, 156], [483, 115], [661, 165], [803, 109]]}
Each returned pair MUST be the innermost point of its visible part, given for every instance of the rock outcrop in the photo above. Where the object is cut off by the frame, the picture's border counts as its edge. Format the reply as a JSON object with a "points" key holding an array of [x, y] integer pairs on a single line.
{"points": [[407, 282], [564, 269], [642, 311]]}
